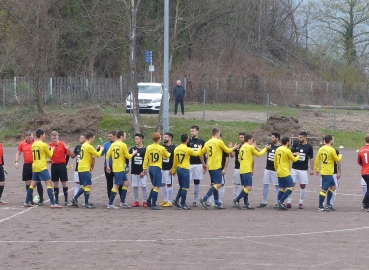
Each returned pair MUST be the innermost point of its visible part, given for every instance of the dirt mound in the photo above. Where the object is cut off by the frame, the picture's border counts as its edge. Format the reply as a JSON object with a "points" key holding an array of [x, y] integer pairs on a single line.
{"points": [[286, 126], [69, 126]]}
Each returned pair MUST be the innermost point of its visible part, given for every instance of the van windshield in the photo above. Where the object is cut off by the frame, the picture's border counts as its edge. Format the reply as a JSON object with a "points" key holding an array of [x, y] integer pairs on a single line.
{"points": [[149, 89]]}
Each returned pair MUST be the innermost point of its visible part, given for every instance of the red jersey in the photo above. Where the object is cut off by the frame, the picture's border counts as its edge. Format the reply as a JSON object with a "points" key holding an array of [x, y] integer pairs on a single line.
{"points": [[1, 154], [60, 153], [363, 159], [26, 148]]}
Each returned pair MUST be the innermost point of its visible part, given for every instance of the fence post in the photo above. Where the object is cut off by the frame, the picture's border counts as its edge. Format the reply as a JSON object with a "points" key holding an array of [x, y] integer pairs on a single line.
{"points": [[203, 107], [297, 87], [334, 121], [121, 88], [217, 89], [268, 107], [15, 89], [3, 96], [51, 88], [86, 87], [69, 97]]}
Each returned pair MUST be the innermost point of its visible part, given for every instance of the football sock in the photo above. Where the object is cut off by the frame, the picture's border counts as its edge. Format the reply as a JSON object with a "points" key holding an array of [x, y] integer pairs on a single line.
{"points": [[216, 195], [150, 195], [165, 193], [1, 190], [221, 194], [113, 193], [329, 196], [144, 193], [211, 199], [286, 194], [56, 193], [65, 191], [265, 192], [364, 189], [302, 194], [289, 200], [29, 194], [27, 186], [277, 193], [178, 194], [50, 193], [210, 192], [246, 197], [196, 191], [183, 196], [87, 194], [40, 191], [155, 193], [135, 193], [76, 188], [280, 195], [124, 194], [236, 191], [334, 195], [241, 195], [170, 194], [322, 196], [80, 192]]}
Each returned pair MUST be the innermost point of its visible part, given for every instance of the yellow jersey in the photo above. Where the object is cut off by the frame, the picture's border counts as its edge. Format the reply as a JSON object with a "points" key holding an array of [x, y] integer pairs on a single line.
{"points": [[119, 152], [282, 158], [326, 157], [246, 157], [214, 148], [182, 154], [85, 156], [40, 151], [154, 155]]}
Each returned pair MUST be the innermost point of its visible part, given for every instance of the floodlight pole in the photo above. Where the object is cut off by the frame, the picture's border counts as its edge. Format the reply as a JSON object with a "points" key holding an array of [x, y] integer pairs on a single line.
{"points": [[166, 68]]}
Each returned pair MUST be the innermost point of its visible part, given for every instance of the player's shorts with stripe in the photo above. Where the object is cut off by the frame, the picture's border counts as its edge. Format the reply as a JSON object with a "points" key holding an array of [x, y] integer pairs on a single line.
{"points": [[236, 177], [2, 174], [119, 177], [183, 178], [85, 178], [59, 171], [41, 176], [362, 182], [334, 178], [285, 182], [76, 177], [155, 176], [166, 178], [270, 177], [196, 172], [300, 175], [216, 176], [246, 179], [327, 181], [136, 181], [27, 172]]}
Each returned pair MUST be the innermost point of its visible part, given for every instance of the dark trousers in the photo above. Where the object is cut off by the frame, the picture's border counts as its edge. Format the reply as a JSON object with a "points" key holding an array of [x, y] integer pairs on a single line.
{"points": [[110, 182], [366, 197], [180, 101]]}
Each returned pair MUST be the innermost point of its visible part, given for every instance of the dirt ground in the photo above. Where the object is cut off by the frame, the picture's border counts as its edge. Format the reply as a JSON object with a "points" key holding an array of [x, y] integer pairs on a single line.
{"points": [[71, 238]]}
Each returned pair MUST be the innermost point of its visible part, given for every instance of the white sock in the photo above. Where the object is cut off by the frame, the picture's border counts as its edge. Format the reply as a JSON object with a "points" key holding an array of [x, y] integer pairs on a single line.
{"points": [[236, 191], [165, 193], [364, 189], [289, 198], [135, 193], [265, 192], [170, 194], [221, 194], [211, 199], [144, 193], [196, 191], [302, 195], [334, 195], [276, 193], [76, 188]]}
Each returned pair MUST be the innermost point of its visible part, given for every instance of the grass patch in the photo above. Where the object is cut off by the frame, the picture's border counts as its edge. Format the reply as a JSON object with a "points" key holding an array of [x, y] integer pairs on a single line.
{"points": [[351, 140]]}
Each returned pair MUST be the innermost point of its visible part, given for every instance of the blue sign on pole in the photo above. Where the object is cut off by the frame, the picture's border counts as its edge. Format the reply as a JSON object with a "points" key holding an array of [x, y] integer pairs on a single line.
{"points": [[148, 56]]}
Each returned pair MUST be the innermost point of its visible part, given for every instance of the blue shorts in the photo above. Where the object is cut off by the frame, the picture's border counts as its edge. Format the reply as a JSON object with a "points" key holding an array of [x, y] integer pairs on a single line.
{"points": [[216, 176], [41, 176], [119, 177], [246, 179], [327, 181], [183, 178], [85, 178], [285, 182], [155, 176]]}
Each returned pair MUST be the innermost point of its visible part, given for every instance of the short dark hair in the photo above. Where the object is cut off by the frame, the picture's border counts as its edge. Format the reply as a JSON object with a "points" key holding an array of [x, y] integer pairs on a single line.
{"points": [[214, 131], [195, 127], [39, 132], [277, 135], [184, 138], [242, 133], [303, 133], [328, 138], [285, 140], [89, 135], [112, 132], [169, 134], [139, 135], [247, 137], [120, 133]]}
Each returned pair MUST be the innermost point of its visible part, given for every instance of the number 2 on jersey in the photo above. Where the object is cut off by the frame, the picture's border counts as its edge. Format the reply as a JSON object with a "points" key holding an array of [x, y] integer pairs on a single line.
{"points": [[324, 158]]}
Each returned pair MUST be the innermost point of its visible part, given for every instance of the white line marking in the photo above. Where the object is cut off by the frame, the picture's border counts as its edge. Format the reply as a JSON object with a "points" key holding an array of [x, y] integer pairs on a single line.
{"points": [[183, 239], [28, 209]]}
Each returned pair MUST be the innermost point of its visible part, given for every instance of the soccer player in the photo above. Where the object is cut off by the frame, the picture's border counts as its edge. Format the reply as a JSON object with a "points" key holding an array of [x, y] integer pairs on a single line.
{"points": [[270, 175], [40, 151], [214, 149], [2, 174], [138, 180], [300, 168], [236, 172], [76, 153], [167, 178], [198, 166], [59, 166], [336, 177], [84, 169], [246, 159], [363, 161], [181, 166], [324, 166], [25, 148], [154, 157], [282, 159], [119, 152]]}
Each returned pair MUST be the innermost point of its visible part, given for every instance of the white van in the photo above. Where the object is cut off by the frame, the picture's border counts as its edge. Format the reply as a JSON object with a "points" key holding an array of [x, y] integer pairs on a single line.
{"points": [[149, 97]]}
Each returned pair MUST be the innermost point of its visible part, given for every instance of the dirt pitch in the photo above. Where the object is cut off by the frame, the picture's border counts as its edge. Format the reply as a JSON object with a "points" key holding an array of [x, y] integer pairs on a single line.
{"points": [[70, 238]]}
